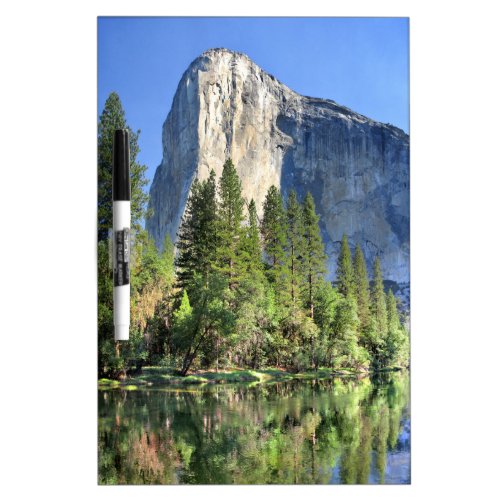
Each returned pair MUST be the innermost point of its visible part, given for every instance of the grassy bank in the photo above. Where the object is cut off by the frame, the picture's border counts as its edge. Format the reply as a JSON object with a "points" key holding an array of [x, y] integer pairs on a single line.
{"points": [[159, 376]]}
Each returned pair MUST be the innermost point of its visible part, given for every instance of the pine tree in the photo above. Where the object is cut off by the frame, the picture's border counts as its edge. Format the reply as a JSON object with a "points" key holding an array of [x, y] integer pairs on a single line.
{"points": [[326, 299], [362, 288], [393, 321], [251, 247], [294, 248], [378, 303], [345, 271], [397, 342], [112, 118], [197, 236], [314, 256], [253, 301], [346, 350], [273, 231], [113, 361], [229, 221]]}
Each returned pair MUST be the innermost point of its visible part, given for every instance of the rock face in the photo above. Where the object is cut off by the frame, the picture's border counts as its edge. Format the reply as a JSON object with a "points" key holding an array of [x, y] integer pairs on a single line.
{"points": [[356, 169]]}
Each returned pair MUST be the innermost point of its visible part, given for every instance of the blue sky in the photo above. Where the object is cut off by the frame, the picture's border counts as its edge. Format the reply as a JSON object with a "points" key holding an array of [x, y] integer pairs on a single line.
{"points": [[361, 63]]}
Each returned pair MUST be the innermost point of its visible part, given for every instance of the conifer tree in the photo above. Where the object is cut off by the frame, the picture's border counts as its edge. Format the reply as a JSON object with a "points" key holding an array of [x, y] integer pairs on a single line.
{"points": [[229, 220], [346, 350], [112, 118], [345, 271], [362, 288], [273, 230], [294, 248], [251, 247], [393, 321], [253, 301], [197, 235], [113, 361], [378, 302], [326, 300], [314, 256], [397, 342]]}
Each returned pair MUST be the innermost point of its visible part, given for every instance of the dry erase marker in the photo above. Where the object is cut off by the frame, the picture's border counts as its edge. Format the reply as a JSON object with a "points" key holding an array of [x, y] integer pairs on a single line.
{"points": [[121, 235]]}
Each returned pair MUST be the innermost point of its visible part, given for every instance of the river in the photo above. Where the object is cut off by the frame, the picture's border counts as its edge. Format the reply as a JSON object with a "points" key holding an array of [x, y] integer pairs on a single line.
{"points": [[341, 431]]}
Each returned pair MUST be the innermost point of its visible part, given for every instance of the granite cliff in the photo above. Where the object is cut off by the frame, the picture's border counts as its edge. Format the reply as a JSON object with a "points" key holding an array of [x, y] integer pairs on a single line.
{"points": [[356, 168]]}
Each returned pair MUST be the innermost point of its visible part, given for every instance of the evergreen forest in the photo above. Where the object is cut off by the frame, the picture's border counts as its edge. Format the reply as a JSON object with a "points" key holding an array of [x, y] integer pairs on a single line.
{"points": [[239, 291]]}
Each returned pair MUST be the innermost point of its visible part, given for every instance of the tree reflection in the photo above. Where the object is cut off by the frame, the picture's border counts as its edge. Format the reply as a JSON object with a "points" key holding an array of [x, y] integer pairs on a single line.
{"points": [[288, 433]]}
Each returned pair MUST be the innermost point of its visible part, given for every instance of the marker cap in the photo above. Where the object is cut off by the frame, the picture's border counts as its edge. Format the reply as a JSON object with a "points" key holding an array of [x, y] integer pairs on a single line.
{"points": [[121, 166]]}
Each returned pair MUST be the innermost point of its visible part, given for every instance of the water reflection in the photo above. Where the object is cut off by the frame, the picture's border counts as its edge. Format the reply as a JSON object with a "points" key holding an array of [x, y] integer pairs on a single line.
{"points": [[341, 431]]}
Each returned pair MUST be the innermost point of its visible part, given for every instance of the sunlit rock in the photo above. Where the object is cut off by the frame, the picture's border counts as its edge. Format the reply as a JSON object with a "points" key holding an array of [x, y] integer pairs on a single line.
{"points": [[357, 169]]}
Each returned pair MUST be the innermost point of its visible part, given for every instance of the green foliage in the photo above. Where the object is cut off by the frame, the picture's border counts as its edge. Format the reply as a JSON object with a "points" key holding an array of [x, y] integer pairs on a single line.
{"points": [[346, 350], [229, 225], [253, 433], [183, 323], [212, 323], [293, 270], [114, 358], [362, 288], [378, 305], [112, 118], [299, 333], [240, 295], [251, 249], [254, 321], [152, 280], [197, 239], [345, 271], [397, 342], [314, 256], [273, 231], [326, 299], [110, 363]]}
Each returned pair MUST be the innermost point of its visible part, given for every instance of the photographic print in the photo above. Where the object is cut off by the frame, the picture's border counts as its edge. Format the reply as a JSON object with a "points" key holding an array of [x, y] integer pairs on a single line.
{"points": [[267, 254]]}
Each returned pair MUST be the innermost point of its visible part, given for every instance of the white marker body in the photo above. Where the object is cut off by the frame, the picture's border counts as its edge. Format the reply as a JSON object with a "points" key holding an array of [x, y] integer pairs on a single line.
{"points": [[121, 294]]}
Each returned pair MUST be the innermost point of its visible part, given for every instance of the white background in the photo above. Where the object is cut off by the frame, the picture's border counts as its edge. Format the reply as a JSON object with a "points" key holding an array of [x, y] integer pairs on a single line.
{"points": [[48, 248]]}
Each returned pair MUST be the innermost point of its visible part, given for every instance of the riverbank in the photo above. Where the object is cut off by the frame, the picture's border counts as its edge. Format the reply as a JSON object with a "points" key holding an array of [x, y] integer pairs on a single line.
{"points": [[160, 376]]}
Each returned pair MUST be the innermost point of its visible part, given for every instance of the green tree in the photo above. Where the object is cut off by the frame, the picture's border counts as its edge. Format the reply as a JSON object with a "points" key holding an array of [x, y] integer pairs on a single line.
{"points": [[299, 333], [112, 118], [254, 321], [273, 231], [362, 288], [375, 336], [183, 323], [397, 344], [229, 225], [254, 300], [208, 322], [152, 281], [197, 239], [326, 300], [251, 247], [346, 350], [294, 248], [110, 363], [378, 305], [393, 321], [314, 256], [345, 271], [115, 358]]}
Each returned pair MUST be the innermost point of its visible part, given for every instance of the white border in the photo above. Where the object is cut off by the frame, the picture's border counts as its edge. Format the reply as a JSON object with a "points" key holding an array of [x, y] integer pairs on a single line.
{"points": [[48, 196]]}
